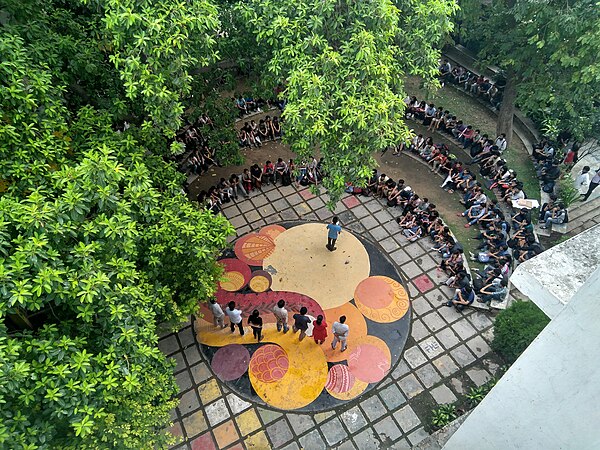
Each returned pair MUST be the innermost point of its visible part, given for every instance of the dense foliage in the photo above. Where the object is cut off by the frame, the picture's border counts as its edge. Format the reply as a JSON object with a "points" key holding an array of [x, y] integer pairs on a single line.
{"points": [[342, 65], [516, 327], [98, 244], [549, 52]]}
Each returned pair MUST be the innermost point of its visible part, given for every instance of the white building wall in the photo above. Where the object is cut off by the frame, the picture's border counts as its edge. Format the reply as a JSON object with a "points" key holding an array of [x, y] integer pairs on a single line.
{"points": [[549, 399]]}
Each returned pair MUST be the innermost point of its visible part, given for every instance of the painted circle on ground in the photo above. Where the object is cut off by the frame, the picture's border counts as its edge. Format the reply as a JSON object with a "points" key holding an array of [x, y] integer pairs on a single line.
{"points": [[354, 319], [339, 379], [374, 292], [230, 362], [236, 274], [369, 363], [302, 375], [269, 363], [272, 231], [381, 299], [355, 390], [260, 281], [253, 248], [232, 281], [301, 263]]}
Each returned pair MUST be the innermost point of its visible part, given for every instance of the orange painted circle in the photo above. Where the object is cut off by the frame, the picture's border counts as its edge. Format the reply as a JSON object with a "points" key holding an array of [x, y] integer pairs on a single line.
{"points": [[269, 363], [370, 361], [253, 248], [358, 328], [381, 299], [374, 292], [232, 281], [339, 379], [272, 231]]}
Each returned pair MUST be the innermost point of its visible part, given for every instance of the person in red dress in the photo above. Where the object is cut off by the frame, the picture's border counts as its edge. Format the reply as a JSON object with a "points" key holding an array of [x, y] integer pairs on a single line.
{"points": [[320, 330]]}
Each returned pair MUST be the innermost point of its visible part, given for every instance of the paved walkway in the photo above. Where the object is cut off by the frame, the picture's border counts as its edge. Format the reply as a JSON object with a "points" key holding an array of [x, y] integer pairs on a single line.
{"points": [[447, 351]]}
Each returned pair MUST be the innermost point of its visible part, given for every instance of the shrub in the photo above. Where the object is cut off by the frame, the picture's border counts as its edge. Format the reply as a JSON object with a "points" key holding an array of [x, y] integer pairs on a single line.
{"points": [[567, 192], [443, 415], [516, 327]]}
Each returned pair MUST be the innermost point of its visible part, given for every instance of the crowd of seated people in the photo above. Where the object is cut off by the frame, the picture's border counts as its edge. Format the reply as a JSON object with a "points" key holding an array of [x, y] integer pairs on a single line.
{"points": [[248, 104], [252, 179], [198, 156], [254, 134], [503, 239], [477, 85]]}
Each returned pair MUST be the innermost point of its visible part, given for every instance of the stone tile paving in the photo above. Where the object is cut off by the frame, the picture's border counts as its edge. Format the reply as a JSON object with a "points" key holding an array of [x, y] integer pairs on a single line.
{"points": [[447, 352]]}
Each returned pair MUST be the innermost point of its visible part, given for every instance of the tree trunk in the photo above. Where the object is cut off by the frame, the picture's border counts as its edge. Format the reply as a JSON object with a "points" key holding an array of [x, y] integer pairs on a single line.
{"points": [[507, 108]]}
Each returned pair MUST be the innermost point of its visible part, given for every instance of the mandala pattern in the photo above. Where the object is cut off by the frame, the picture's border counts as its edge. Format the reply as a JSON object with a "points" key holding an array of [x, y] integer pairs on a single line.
{"points": [[289, 262], [339, 380]]}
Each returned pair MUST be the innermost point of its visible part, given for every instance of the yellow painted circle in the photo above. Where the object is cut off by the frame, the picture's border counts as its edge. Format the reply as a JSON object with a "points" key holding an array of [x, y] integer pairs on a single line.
{"points": [[301, 263], [259, 283], [232, 281]]}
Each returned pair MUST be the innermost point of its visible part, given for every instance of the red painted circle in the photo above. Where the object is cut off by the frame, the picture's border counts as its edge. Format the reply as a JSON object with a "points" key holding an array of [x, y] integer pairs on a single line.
{"points": [[269, 363], [339, 379], [369, 363]]}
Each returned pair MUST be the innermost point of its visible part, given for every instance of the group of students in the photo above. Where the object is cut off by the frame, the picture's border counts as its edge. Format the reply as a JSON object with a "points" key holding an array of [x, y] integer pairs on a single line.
{"points": [[200, 157], [248, 104], [236, 186], [254, 134], [477, 85], [301, 322]]}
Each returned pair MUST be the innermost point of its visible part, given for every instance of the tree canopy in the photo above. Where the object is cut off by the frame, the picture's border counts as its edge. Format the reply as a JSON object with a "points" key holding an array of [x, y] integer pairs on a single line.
{"points": [[98, 244], [342, 66], [549, 51]]}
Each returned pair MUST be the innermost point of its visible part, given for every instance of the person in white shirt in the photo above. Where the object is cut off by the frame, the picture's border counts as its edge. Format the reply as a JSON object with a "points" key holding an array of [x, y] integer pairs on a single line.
{"points": [[281, 315], [501, 142], [340, 333], [594, 182], [235, 317], [583, 180], [217, 313]]}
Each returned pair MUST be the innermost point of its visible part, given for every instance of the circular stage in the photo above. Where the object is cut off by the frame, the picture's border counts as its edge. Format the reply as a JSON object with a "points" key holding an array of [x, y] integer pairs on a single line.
{"points": [[289, 261]]}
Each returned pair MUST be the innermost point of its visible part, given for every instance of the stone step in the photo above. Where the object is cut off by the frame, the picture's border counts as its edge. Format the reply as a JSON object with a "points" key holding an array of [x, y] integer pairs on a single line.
{"points": [[579, 209], [586, 220]]}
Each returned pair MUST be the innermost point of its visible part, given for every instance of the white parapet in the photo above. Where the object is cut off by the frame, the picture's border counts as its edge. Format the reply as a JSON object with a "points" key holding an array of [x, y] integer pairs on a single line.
{"points": [[551, 279], [548, 399]]}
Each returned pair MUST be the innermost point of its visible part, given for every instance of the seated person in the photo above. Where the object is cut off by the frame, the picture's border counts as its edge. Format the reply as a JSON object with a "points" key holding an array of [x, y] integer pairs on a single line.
{"points": [[556, 216], [445, 69], [381, 184], [462, 297], [280, 169], [269, 173], [257, 175], [496, 290]]}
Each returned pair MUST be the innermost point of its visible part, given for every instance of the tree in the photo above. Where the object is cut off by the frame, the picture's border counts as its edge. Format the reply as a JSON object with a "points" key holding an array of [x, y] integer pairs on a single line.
{"points": [[548, 51], [342, 66], [98, 246]]}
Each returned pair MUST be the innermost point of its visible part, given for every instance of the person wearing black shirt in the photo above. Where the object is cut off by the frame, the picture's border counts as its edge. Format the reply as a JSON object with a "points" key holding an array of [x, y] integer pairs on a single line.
{"points": [[256, 323], [301, 322]]}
